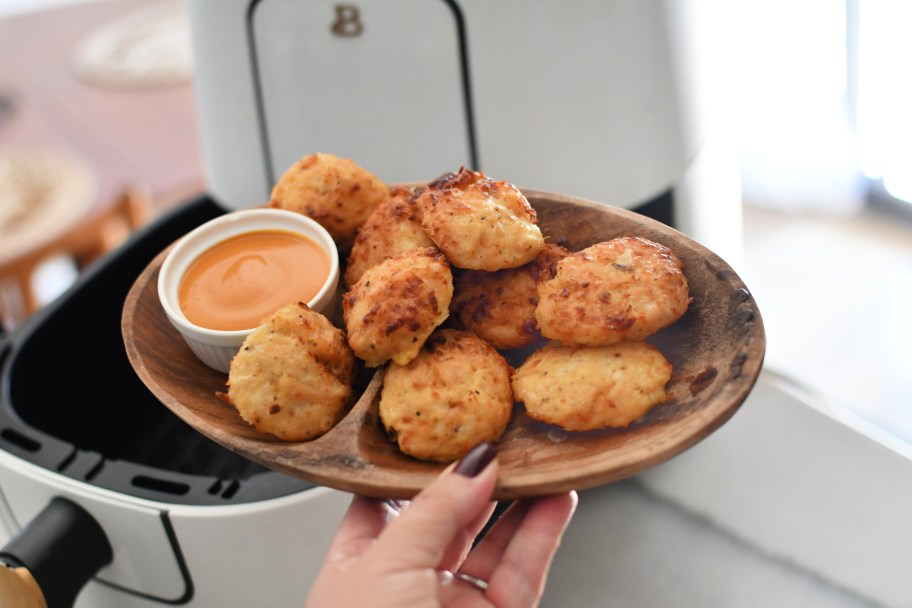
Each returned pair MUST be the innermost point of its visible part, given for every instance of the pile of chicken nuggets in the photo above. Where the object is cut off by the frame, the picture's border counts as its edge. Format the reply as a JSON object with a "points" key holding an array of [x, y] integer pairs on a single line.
{"points": [[440, 281]]}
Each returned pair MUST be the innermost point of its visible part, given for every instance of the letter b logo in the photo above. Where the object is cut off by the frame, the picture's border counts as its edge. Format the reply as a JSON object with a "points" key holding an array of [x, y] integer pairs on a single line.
{"points": [[348, 21]]}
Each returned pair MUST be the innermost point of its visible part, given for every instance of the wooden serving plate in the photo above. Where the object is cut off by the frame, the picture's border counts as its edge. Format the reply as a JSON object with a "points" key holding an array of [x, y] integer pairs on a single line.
{"points": [[716, 348]]}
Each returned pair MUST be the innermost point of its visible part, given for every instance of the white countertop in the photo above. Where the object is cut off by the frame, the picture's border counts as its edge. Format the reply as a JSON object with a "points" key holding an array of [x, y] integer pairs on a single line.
{"points": [[788, 504]]}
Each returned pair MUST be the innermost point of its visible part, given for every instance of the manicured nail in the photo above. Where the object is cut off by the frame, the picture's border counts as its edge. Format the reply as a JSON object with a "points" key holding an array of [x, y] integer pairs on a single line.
{"points": [[476, 460]]}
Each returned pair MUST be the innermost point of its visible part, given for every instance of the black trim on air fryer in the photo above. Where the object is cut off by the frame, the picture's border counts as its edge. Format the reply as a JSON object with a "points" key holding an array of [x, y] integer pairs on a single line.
{"points": [[260, 103], [31, 431], [469, 103], [258, 97], [660, 208], [189, 588]]}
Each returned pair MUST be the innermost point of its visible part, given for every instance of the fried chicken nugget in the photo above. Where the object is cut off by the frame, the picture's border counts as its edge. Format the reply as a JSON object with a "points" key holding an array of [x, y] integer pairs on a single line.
{"points": [[392, 228], [334, 191], [293, 375], [396, 305], [584, 388], [454, 395], [500, 306], [479, 223], [623, 289]]}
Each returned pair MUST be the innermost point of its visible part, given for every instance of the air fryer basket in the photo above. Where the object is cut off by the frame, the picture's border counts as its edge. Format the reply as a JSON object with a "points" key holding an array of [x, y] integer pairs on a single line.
{"points": [[71, 402]]}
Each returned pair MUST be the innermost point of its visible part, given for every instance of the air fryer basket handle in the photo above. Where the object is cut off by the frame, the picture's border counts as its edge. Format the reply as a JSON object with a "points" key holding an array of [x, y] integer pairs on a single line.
{"points": [[62, 548]]}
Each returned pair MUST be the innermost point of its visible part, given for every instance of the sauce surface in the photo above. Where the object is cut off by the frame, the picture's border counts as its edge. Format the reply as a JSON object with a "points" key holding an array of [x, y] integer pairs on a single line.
{"points": [[236, 283]]}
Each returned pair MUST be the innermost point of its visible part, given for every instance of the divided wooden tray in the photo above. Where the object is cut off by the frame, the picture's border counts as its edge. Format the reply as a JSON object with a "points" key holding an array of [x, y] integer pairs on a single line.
{"points": [[717, 350]]}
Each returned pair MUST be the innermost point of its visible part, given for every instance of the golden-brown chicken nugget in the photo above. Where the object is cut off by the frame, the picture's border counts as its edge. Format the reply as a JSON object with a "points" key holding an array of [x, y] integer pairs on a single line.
{"points": [[500, 306], [454, 395], [396, 305], [623, 289], [479, 223], [293, 375], [392, 228], [334, 191], [584, 388]]}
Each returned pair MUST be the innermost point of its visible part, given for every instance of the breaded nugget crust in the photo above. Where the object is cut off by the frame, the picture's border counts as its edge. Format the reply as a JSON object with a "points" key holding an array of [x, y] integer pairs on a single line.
{"points": [[396, 305], [623, 289], [454, 395], [334, 191], [293, 375], [500, 306], [582, 388], [392, 228], [479, 223]]}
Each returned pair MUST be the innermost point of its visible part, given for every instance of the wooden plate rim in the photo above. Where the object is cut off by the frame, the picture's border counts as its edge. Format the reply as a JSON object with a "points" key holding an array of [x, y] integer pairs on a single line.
{"points": [[338, 458]]}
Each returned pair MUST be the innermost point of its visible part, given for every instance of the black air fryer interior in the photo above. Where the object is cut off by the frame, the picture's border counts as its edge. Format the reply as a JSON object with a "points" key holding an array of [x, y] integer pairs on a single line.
{"points": [[72, 403]]}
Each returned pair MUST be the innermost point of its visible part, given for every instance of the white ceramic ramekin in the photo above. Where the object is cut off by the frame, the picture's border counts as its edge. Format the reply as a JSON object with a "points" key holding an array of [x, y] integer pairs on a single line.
{"points": [[216, 348]]}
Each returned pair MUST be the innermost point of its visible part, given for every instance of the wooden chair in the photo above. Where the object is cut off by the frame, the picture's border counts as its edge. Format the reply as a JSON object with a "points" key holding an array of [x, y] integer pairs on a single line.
{"points": [[92, 238]]}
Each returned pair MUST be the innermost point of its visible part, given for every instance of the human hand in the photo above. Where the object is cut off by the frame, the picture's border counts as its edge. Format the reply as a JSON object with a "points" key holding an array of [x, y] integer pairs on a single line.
{"points": [[423, 555]]}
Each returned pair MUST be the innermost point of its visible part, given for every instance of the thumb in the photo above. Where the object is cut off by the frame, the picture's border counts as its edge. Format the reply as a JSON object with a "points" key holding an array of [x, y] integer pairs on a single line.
{"points": [[420, 536]]}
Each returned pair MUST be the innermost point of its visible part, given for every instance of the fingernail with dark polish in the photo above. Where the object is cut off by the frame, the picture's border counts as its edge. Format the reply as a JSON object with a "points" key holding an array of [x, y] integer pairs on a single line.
{"points": [[476, 460]]}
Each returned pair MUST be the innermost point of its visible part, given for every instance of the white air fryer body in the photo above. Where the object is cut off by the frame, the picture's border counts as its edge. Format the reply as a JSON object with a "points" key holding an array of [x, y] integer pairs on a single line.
{"points": [[264, 553], [604, 100]]}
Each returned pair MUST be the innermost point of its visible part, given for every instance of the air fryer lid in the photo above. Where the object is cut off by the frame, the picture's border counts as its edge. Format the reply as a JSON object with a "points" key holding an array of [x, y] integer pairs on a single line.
{"points": [[72, 403]]}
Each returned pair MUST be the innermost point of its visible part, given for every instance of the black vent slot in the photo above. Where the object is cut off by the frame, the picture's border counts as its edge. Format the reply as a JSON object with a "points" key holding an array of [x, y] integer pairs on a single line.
{"points": [[160, 485], [20, 441]]}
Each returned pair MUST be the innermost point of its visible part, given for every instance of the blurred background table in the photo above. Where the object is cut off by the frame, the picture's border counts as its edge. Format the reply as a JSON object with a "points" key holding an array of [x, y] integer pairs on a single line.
{"points": [[134, 141]]}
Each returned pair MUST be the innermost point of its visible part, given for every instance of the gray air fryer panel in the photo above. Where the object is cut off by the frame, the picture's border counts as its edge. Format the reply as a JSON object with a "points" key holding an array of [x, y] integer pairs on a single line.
{"points": [[376, 58]]}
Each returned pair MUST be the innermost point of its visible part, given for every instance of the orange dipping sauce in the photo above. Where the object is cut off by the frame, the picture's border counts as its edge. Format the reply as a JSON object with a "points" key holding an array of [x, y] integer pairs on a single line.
{"points": [[238, 282]]}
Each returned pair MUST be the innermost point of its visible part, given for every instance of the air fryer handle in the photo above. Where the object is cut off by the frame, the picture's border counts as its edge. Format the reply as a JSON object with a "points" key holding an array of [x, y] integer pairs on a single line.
{"points": [[62, 548]]}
